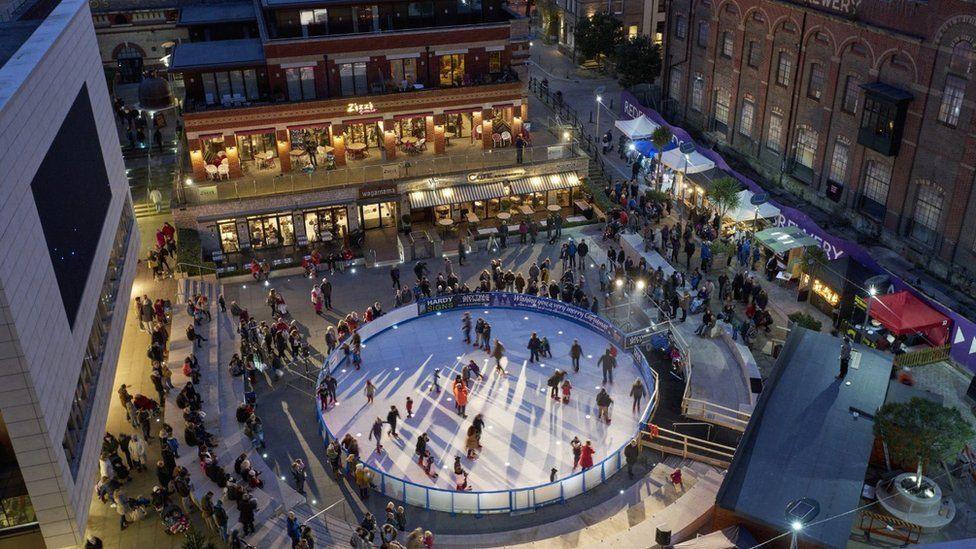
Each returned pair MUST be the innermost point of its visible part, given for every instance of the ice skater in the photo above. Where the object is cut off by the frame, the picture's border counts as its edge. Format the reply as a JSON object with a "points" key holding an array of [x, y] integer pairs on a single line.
{"points": [[392, 417], [498, 353], [552, 474], [466, 327], [461, 396], [608, 362], [460, 476], [370, 391], [577, 447], [637, 392], [436, 383], [586, 456], [544, 349], [535, 344], [575, 352], [421, 447], [603, 402], [471, 443], [567, 389], [409, 407], [479, 425], [475, 370], [486, 335], [555, 380], [377, 432]]}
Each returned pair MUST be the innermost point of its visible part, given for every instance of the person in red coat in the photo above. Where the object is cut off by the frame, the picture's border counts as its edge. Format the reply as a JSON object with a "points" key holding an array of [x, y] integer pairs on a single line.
{"points": [[586, 456]]}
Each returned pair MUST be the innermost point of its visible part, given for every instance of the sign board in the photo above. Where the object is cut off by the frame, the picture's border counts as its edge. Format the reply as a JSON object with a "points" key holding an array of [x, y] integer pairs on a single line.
{"points": [[640, 337], [759, 199], [371, 192], [391, 171], [360, 108], [207, 192], [481, 177], [555, 152], [523, 301], [834, 191]]}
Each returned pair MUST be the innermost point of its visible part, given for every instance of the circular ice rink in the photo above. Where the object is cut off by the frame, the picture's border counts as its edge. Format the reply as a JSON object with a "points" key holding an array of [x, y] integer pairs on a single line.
{"points": [[526, 432]]}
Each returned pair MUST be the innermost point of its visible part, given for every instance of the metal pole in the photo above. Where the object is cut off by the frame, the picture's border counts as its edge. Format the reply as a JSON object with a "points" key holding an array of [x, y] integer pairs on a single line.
{"points": [[598, 117], [867, 314]]}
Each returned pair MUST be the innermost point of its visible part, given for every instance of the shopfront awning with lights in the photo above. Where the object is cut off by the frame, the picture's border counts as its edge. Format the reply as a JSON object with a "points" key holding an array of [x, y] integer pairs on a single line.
{"points": [[455, 195], [783, 239], [689, 164], [460, 194], [541, 183]]}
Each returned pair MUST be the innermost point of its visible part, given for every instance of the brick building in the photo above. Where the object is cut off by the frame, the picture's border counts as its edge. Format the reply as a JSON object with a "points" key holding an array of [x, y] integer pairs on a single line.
{"points": [[864, 108], [372, 116], [639, 18]]}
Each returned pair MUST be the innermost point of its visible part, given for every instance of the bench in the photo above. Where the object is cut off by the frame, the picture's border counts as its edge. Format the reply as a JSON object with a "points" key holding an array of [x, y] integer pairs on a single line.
{"points": [[747, 363]]}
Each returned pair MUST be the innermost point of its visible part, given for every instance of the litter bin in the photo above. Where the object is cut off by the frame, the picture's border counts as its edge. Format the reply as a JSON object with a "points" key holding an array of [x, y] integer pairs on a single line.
{"points": [[662, 535]]}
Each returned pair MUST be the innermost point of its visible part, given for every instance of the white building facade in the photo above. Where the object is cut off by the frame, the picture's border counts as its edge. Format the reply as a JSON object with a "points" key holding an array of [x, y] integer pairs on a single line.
{"points": [[68, 254]]}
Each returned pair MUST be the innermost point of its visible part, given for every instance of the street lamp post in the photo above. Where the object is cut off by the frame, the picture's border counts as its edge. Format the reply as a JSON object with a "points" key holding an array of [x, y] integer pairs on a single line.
{"points": [[599, 101], [867, 311]]}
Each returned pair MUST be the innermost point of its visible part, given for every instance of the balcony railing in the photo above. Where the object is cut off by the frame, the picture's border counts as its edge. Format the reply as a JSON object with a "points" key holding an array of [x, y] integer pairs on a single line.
{"points": [[505, 77], [258, 185]]}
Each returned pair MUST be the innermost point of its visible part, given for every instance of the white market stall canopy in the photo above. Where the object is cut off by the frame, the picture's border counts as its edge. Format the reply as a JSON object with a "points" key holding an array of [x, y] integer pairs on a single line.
{"points": [[694, 163], [636, 128], [747, 212]]}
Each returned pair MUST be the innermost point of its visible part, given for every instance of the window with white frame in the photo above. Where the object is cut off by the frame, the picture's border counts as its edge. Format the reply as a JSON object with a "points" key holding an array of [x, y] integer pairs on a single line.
{"points": [[697, 93], [952, 94], [746, 117], [928, 213], [815, 85], [838, 162], [806, 147], [774, 136]]}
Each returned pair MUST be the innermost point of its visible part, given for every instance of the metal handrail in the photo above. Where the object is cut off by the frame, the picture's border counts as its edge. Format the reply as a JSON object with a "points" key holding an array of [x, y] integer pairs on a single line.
{"points": [[200, 268]]}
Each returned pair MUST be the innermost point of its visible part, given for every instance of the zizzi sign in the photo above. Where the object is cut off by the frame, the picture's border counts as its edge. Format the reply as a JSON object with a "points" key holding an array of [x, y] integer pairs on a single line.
{"points": [[846, 7], [360, 108]]}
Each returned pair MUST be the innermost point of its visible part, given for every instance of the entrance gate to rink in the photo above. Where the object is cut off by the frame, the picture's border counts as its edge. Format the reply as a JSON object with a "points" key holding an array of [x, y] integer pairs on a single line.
{"points": [[515, 499]]}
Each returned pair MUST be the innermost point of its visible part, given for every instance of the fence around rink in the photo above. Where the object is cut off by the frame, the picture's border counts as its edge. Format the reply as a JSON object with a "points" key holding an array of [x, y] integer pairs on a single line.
{"points": [[494, 501]]}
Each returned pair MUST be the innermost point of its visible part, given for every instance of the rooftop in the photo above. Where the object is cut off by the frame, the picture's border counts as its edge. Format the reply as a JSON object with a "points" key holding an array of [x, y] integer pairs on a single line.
{"points": [[804, 440], [230, 53], [23, 21], [202, 14]]}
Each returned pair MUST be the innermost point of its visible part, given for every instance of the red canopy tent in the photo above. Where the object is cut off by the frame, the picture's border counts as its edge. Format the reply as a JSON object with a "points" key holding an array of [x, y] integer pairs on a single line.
{"points": [[904, 314]]}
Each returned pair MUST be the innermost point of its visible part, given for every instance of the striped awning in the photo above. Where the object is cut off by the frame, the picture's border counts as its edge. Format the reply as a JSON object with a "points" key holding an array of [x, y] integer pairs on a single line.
{"points": [[455, 195], [540, 183]]}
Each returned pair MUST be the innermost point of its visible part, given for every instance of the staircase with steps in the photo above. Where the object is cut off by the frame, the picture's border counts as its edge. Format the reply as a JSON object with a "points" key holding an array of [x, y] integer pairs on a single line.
{"points": [[214, 385], [146, 209]]}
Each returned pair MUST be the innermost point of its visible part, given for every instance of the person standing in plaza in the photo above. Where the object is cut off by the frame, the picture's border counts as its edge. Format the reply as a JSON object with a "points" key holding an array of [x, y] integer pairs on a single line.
{"points": [[582, 250], [326, 289], [466, 326], [845, 357], [631, 451], [637, 392], [299, 475], [370, 391]]}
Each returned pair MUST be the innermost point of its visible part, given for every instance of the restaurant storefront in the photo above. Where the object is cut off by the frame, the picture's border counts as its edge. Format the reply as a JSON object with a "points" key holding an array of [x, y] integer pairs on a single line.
{"points": [[519, 196], [283, 230], [378, 206]]}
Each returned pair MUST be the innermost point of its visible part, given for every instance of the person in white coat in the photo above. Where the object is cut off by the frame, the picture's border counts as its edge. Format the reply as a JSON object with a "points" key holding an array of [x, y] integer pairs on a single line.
{"points": [[138, 449]]}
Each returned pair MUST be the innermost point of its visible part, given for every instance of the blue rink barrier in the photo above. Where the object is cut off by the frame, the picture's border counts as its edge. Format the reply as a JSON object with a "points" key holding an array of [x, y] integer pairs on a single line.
{"points": [[494, 501]]}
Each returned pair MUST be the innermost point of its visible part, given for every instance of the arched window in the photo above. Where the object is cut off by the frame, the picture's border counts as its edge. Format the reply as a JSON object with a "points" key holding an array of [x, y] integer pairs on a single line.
{"points": [[962, 58]]}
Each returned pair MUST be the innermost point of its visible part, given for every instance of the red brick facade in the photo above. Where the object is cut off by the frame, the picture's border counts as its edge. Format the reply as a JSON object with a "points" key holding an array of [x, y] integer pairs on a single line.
{"points": [[800, 67]]}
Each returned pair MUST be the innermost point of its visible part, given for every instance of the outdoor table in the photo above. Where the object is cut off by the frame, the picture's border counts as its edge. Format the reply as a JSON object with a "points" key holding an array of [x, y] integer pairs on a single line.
{"points": [[472, 218], [582, 205], [325, 149], [554, 207], [409, 140], [504, 216], [296, 153], [526, 209], [445, 221]]}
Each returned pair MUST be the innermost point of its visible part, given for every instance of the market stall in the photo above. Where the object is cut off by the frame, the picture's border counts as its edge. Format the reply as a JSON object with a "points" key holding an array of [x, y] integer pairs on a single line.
{"points": [[747, 216], [903, 314], [636, 128], [788, 244], [833, 287]]}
